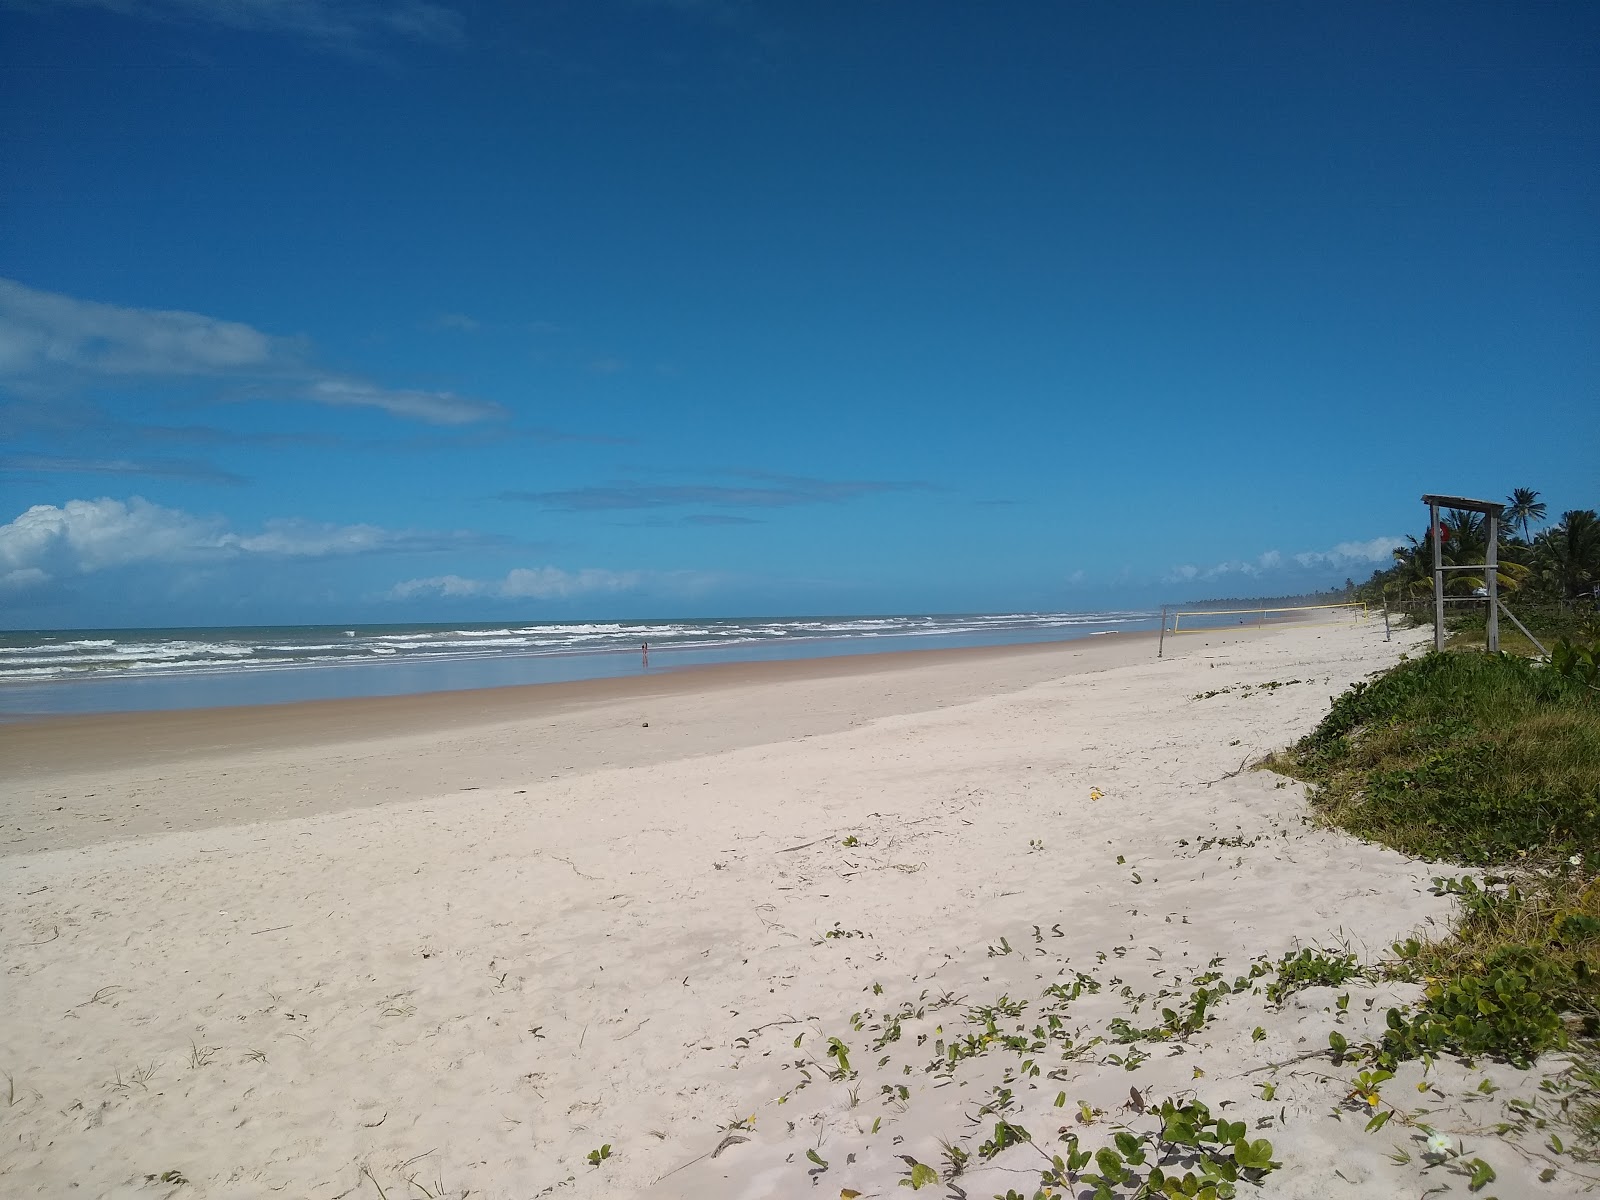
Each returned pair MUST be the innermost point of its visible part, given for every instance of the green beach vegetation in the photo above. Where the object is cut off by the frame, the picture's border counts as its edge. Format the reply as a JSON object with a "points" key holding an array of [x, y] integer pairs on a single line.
{"points": [[1490, 762]]}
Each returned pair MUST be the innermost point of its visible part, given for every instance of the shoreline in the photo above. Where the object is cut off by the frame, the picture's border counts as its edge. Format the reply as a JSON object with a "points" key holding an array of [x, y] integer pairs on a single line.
{"points": [[78, 780], [84, 779], [518, 699], [399, 667]]}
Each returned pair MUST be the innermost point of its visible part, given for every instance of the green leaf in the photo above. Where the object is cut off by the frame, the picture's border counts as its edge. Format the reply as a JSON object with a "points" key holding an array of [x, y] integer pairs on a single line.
{"points": [[1482, 1175], [1109, 1162], [817, 1158], [1256, 1155], [921, 1176], [1379, 1121]]}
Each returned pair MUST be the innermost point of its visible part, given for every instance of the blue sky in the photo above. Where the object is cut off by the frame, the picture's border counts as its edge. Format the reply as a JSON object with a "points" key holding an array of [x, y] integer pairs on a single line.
{"points": [[334, 310]]}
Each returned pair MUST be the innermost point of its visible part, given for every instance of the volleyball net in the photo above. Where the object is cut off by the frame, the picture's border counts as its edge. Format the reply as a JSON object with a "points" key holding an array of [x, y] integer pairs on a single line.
{"points": [[1211, 620]]}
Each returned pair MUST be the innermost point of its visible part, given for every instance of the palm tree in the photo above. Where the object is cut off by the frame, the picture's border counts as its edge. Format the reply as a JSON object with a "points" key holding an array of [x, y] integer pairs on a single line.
{"points": [[1522, 507], [1466, 534], [1569, 555], [1413, 568]]}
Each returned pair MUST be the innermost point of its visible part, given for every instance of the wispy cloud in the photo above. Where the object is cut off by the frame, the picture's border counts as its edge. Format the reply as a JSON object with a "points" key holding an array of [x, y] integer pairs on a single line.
{"points": [[720, 519], [85, 536], [778, 491], [160, 468], [210, 435], [1246, 567], [700, 519], [530, 583], [455, 323], [558, 583], [52, 342], [348, 24], [83, 422], [436, 408], [495, 435], [1345, 554], [729, 13]]}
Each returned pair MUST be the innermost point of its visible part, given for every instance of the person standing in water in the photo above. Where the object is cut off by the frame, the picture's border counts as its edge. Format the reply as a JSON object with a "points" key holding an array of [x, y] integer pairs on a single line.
{"points": [[644, 654]]}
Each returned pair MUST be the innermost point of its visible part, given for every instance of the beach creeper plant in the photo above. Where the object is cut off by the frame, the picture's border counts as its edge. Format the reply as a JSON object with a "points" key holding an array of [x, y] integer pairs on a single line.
{"points": [[1178, 1148], [1191, 1154], [918, 1175], [1311, 968]]}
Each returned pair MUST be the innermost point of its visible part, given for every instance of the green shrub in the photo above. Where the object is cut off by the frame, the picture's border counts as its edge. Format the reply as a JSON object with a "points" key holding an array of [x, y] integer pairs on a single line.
{"points": [[1480, 759]]}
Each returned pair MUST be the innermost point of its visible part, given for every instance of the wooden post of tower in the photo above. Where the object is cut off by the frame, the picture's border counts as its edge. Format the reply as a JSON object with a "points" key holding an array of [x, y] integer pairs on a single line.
{"points": [[1490, 565], [1491, 584], [1438, 578]]}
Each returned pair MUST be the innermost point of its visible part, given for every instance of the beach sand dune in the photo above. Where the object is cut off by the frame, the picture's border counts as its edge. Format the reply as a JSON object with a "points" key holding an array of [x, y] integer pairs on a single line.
{"points": [[272, 984]]}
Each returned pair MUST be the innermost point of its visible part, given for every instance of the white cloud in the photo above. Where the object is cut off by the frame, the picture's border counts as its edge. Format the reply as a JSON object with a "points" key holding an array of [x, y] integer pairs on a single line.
{"points": [[46, 339], [438, 585], [1269, 561], [1375, 550], [1345, 554], [295, 538], [92, 535], [85, 536], [41, 331], [533, 583], [22, 580], [552, 583]]}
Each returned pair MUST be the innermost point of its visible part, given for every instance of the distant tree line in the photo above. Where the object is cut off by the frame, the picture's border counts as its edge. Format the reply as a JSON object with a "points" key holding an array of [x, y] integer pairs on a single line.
{"points": [[1338, 596]]}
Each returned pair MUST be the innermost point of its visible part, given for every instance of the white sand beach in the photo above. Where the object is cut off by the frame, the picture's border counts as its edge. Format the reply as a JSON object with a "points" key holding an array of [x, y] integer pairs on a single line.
{"points": [[453, 945]]}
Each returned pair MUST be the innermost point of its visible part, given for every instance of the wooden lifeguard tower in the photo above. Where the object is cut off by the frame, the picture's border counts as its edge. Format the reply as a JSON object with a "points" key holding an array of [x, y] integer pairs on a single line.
{"points": [[1490, 566]]}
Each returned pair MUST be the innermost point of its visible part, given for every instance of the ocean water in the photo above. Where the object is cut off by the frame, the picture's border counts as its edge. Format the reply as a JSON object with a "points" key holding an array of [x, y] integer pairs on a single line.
{"points": [[113, 670]]}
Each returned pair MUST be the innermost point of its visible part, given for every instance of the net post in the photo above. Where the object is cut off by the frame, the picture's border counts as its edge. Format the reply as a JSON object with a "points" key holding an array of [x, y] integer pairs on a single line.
{"points": [[1161, 641]]}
